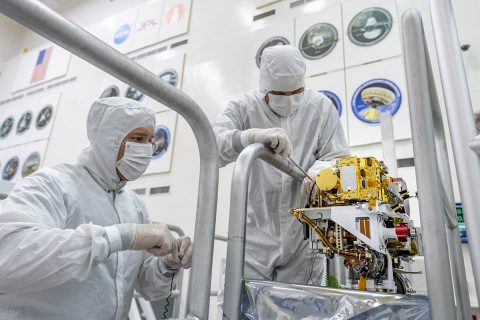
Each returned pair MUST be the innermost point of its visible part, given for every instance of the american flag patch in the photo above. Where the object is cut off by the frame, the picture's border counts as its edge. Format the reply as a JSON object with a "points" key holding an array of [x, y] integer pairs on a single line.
{"points": [[42, 64]]}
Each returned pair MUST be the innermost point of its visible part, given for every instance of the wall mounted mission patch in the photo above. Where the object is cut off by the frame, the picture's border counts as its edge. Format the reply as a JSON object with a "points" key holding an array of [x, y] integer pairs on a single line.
{"points": [[318, 41], [370, 26]]}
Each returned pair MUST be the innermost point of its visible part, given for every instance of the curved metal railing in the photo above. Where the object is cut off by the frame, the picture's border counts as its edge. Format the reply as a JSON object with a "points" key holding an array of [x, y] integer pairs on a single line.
{"points": [[238, 217]]}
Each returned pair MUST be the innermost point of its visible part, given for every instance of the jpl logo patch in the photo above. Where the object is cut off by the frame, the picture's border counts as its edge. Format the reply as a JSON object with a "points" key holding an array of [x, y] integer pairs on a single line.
{"points": [[122, 34], [147, 23]]}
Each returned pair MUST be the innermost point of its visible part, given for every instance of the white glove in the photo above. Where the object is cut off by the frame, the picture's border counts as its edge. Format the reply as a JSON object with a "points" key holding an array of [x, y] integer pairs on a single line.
{"points": [[307, 185], [308, 190], [182, 257], [275, 138], [156, 238]]}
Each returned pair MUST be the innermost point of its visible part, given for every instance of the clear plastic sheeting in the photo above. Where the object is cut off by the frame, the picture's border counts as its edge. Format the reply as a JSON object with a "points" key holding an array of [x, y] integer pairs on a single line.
{"points": [[271, 300]]}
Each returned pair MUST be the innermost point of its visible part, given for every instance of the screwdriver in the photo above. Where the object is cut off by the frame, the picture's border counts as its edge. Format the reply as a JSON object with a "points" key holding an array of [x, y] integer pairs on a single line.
{"points": [[300, 168]]}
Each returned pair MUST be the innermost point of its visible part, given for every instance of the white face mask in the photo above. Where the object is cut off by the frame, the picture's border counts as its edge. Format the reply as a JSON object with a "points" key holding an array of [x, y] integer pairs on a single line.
{"points": [[284, 105], [135, 160]]}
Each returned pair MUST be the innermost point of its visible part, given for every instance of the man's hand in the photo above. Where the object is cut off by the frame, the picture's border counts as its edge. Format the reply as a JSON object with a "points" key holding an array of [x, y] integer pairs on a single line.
{"points": [[275, 138], [183, 257], [156, 238], [306, 189]]}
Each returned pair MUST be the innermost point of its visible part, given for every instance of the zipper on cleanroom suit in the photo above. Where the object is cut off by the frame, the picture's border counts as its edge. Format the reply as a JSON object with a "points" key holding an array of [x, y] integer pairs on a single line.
{"points": [[284, 225], [116, 264]]}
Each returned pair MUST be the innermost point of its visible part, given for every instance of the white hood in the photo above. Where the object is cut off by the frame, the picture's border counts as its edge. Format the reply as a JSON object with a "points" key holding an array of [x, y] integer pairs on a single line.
{"points": [[109, 121], [282, 68]]}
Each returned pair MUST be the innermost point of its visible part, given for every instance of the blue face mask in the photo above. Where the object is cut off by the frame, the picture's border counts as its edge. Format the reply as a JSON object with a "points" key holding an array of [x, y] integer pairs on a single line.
{"points": [[284, 105], [135, 160]]}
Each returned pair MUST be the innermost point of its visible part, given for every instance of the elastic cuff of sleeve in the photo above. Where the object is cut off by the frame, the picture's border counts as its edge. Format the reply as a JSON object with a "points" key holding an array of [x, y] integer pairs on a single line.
{"points": [[165, 269], [237, 142], [244, 137], [127, 231], [114, 239]]}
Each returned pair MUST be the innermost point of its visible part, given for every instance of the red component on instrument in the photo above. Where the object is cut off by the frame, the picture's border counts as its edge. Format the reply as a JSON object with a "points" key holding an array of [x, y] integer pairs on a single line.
{"points": [[403, 231]]}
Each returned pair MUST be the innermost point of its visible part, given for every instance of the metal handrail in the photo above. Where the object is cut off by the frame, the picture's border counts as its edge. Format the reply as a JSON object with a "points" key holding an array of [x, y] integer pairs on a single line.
{"points": [[457, 263], [238, 217], [221, 238], [73, 38], [433, 178], [175, 229], [461, 123]]}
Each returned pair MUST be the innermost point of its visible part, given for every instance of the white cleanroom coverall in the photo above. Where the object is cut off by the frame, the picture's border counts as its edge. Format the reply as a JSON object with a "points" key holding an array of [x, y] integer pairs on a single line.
{"points": [[57, 261], [275, 246]]}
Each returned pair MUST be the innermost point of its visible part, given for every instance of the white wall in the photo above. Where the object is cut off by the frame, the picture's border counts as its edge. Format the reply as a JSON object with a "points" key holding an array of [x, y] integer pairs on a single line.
{"points": [[10, 33], [217, 68], [468, 26]]}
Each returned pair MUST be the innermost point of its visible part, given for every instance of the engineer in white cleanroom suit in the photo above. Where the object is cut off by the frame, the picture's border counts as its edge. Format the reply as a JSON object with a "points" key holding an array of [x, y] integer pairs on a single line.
{"points": [[74, 242], [293, 121]]}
